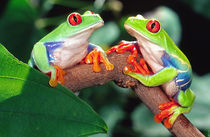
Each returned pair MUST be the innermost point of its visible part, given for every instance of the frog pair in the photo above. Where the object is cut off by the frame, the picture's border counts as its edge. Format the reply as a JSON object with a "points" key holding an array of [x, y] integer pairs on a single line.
{"points": [[68, 45]]}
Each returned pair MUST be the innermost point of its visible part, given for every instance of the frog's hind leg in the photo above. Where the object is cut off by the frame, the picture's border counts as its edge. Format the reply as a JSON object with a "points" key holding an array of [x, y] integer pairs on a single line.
{"points": [[42, 62], [57, 74], [182, 103]]}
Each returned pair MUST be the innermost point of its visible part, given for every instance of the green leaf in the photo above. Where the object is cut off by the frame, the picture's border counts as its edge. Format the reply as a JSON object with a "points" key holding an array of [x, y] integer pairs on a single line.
{"points": [[18, 30], [31, 108]]}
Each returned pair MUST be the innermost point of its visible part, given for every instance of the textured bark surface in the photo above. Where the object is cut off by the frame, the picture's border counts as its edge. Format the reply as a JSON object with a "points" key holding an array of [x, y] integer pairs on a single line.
{"points": [[81, 76]]}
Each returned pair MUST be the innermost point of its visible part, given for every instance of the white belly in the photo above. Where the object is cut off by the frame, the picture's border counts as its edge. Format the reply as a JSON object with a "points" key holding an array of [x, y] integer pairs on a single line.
{"points": [[68, 56], [73, 50], [153, 61]]}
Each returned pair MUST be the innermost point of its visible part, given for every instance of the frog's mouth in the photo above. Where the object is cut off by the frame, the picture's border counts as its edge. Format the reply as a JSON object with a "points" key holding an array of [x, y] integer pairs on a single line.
{"points": [[135, 33], [92, 27]]}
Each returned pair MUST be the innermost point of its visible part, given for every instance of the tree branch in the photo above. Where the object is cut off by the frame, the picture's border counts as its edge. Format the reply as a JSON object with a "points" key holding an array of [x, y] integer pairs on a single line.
{"points": [[81, 76]]}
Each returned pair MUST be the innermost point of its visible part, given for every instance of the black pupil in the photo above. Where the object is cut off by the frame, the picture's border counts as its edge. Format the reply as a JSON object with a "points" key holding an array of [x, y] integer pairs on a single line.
{"points": [[75, 18], [153, 25]]}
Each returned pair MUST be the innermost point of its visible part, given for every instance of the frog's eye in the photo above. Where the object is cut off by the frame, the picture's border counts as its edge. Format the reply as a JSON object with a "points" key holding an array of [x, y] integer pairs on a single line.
{"points": [[74, 19], [153, 26]]}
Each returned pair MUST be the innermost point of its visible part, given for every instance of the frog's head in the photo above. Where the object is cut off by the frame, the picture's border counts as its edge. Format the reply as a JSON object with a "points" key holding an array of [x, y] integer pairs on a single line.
{"points": [[79, 26], [148, 32]]}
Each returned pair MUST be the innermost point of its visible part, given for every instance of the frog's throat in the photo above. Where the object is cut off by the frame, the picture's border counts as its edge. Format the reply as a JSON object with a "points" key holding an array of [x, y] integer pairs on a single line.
{"points": [[81, 39], [135, 33]]}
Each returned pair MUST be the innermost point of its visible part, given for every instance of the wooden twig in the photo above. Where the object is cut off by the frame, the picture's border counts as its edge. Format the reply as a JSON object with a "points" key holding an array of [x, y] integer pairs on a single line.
{"points": [[81, 76]]}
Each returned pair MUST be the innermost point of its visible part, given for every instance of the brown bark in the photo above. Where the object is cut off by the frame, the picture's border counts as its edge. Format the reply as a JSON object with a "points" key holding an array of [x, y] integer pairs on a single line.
{"points": [[81, 76]]}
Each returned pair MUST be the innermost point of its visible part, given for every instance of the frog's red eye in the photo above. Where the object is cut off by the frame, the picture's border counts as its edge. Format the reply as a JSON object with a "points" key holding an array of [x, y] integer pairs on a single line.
{"points": [[74, 19], [153, 26]]}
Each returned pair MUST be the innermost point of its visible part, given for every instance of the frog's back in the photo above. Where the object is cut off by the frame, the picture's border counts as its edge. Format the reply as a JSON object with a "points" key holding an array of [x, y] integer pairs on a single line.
{"points": [[178, 57], [178, 60]]}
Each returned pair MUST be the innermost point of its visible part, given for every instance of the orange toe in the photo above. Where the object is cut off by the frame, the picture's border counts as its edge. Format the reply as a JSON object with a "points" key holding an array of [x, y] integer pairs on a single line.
{"points": [[53, 83], [112, 49], [167, 123], [167, 105], [131, 60], [157, 119], [103, 58], [167, 113], [127, 69], [89, 59], [96, 59], [59, 75]]}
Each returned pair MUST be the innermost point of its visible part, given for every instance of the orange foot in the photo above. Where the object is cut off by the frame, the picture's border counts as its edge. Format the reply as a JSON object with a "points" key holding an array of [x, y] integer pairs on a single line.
{"points": [[133, 47], [140, 67], [97, 56], [58, 78], [125, 46], [169, 113]]}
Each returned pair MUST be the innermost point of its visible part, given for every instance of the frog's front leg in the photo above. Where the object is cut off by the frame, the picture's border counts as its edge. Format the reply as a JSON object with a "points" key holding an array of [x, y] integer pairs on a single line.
{"points": [[164, 75], [182, 103], [139, 67], [39, 55], [97, 55], [125, 46]]}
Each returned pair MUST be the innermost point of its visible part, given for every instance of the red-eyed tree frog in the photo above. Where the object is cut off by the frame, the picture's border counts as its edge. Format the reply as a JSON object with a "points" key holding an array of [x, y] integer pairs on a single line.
{"points": [[68, 45], [171, 68]]}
